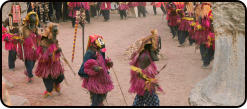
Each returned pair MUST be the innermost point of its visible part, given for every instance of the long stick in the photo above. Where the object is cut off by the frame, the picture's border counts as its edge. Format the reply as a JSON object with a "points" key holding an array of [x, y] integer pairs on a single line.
{"points": [[83, 26], [23, 52], [162, 68], [76, 26], [119, 86], [66, 61], [83, 16]]}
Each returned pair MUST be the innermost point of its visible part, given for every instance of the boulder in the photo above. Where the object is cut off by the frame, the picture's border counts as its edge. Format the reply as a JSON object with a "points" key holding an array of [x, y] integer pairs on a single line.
{"points": [[225, 86]]}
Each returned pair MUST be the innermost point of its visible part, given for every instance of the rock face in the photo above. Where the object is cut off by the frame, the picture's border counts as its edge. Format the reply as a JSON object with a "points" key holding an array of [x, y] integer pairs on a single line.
{"points": [[12, 100], [5, 94], [225, 86]]}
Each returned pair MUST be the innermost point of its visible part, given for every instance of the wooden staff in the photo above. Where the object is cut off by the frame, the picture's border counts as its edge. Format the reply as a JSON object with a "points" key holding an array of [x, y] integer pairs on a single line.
{"points": [[83, 16], [83, 28], [119, 86], [76, 26], [162, 68], [66, 61]]}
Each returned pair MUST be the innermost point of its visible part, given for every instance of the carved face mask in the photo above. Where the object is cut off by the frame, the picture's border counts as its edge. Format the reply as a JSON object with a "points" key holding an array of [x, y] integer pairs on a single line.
{"points": [[96, 41], [153, 53], [32, 20], [54, 32], [100, 44]]}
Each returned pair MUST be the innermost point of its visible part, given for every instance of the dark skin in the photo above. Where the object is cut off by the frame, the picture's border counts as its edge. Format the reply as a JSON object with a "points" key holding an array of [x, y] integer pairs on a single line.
{"points": [[173, 8], [32, 21], [31, 26], [97, 49], [145, 62], [46, 41]]}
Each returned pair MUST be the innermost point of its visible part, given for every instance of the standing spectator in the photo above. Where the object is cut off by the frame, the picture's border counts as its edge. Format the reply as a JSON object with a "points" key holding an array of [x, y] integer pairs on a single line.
{"points": [[93, 10], [33, 6], [86, 7], [65, 11], [98, 4], [163, 7], [30, 7], [58, 7], [105, 8], [141, 9], [44, 11], [50, 11], [157, 5], [154, 7], [114, 6], [74, 6], [122, 9], [133, 8]]}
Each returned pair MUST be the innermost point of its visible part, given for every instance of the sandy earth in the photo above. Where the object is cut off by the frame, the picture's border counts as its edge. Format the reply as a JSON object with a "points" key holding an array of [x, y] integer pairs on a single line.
{"points": [[183, 69]]}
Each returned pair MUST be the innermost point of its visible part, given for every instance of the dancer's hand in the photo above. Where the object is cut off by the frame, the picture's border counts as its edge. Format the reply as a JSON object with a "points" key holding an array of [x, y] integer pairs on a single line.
{"points": [[97, 68], [109, 64], [58, 50], [154, 81], [6, 39]]}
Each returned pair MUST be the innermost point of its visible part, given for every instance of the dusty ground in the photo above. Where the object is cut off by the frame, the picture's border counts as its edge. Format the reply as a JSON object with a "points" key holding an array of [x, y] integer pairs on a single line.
{"points": [[180, 76]]}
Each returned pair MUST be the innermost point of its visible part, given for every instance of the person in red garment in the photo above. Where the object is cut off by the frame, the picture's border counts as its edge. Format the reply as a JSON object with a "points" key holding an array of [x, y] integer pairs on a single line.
{"points": [[143, 72], [105, 9], [87, 9], [204, 33], [49, 65], [172, 18], [10, 43], [184, 28], [122, 9], [157, 5], [10, 31], [207, 39], [73, 7], [141, 9], [94, 70], [30, 42]]}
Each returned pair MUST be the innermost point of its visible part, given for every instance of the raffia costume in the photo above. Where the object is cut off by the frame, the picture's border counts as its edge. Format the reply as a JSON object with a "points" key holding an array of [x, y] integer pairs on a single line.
{"points": [[143, 81], [184, 29], [204, 33], [30, 43], [49, 65], [172, 18], [94, 70], [10, 32]]}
